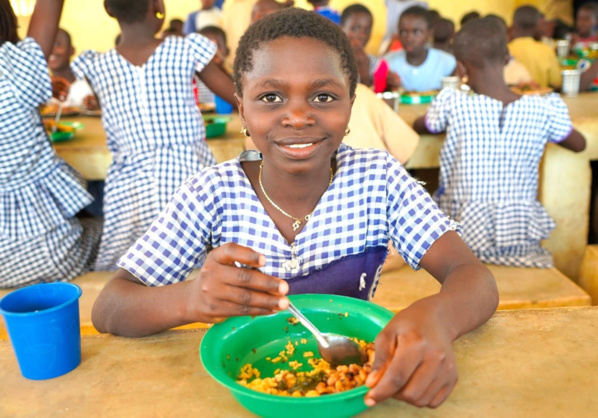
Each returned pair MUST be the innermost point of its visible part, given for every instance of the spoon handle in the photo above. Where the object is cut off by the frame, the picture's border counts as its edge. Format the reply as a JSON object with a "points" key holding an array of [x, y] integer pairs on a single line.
{"points": [[307, 324]]}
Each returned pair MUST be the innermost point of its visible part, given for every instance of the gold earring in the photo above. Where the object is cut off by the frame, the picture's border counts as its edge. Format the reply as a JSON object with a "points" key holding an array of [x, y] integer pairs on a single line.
{"points": [[160, 15], [347, 131], [464, 79], [245, 132]]}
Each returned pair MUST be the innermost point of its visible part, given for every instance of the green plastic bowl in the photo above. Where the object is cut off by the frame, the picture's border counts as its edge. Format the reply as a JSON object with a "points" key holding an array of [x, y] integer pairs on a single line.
{"points": [[215, 125], [228, 346], [417, 98]]}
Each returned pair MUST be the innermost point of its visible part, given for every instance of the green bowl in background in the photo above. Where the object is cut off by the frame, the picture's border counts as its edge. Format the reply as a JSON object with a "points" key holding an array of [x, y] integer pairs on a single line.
{"points": [[215, 125], [228, 346], [417, 98]]}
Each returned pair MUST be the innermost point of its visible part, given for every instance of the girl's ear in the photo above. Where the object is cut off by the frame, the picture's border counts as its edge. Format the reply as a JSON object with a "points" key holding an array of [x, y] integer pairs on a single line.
{"points": [[108, 10], [241, 109], [159, 7], [460, 70]]}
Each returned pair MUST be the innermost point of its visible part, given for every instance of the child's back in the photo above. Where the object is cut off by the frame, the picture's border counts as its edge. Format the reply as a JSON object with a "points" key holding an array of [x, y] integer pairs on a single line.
{"points": [[154, 131], [39, 193]]}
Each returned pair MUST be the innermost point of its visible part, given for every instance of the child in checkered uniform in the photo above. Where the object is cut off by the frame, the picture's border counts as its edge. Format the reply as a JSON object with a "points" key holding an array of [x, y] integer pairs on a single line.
{"points": [[40, 238], [311, 214], [490, 159], [154, 129]]}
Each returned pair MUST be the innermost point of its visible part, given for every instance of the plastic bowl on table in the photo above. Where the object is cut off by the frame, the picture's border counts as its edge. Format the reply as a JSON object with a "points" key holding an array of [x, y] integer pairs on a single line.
{"points": [[215, 125], [60, 136], [230, 345]]}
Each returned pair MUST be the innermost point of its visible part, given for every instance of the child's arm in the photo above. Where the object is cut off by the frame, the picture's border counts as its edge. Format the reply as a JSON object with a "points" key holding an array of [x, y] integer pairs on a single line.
{"points": [[129, 308], [44, 23], [415, 362], [575, 141], [420, 127], [588, 76], [219, 82]]}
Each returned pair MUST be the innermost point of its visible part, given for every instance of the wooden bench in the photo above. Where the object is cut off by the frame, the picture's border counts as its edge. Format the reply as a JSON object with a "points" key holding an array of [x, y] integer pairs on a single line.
{"points": [[518, 288], [588, 273]]}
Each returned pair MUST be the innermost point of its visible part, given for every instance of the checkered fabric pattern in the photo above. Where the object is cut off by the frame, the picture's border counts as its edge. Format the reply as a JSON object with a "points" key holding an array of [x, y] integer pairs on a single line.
{"points": [[371, 200], [39, 193], [205, 94], [489, 171], [154, 130]]}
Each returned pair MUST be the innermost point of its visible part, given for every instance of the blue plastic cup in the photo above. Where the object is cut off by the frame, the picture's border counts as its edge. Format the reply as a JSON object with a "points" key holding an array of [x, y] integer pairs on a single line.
{"points": [[43, 326], [222, 106]]}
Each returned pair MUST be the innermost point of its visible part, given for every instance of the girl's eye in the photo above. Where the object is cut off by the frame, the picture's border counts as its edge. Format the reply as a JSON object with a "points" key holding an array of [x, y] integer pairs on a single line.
{"points": [[323, 98], [271, 98]]}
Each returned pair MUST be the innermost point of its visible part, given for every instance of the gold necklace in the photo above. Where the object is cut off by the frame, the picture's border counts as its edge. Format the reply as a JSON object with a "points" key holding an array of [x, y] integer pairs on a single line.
{"points": [[298, 221]]}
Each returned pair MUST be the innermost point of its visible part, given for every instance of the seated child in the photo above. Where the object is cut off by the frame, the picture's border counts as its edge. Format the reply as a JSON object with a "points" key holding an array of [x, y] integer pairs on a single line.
{"points": [[208, 15], [216, 35], [444, 30], [321, 7], [263, 8], [65, 86], [40, 237], [468, 17], [539, 58], [312, 214], [419, 67], [586, 26], [356, 22], [491, 155], [154, 129]]}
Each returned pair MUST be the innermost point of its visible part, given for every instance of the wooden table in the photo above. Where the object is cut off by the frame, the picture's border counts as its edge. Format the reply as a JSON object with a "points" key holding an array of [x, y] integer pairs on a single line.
{"points": [[538, 363], [89, 154], [565, 179]]}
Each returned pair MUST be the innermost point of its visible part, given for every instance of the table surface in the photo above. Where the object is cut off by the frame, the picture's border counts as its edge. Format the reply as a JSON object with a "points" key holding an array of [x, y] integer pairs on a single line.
{"points": [[521, 363]]}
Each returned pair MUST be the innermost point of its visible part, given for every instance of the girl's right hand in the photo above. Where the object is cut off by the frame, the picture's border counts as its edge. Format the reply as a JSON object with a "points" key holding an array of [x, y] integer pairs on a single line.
{"points": [[60, 88], [222, 289]]}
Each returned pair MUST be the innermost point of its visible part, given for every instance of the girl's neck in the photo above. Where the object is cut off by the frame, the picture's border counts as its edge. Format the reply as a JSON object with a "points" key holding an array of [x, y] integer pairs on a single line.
{"points": [[490, 82], [417, 58], [65, 73], [138, 43], [138, 33]]}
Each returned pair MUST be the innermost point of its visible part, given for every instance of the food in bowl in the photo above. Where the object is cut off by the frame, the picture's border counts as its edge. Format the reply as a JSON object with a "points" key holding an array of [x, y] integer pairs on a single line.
{"points": [[322, 379]]}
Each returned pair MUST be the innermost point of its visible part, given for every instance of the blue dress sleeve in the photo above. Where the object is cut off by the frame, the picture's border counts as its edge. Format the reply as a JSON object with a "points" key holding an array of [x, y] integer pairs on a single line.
{"points": [[559, 122], [202, 49], [26, 69], [179, 238], [438, 112], [414, 221], [83, 65]]}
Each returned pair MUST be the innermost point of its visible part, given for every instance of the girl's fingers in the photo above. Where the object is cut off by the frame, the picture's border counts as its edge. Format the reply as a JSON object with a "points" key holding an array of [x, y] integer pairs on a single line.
{"points": [[240, 277], [248, 298], [230, 253], [424, 384], [226, 309], [441, 396]]}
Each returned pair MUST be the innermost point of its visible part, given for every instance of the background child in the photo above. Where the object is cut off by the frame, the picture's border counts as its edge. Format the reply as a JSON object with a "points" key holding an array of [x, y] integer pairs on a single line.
{"points": [[296, 80], [490, 159], [208, 15], [443, 32], [153, 126], [586, 26], [40, 238], [216, 35], [419, 67], [321, 7]]}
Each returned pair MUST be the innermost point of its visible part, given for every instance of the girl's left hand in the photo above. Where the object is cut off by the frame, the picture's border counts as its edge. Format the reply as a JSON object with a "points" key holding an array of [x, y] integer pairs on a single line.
{"points": [[60, 88], [414, 361]]}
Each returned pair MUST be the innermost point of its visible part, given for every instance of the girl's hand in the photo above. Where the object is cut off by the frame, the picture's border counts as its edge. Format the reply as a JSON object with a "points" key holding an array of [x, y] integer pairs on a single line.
{"points": [[222, 289], [414, 360], [60, 88], [393, 81], [91, 102]]}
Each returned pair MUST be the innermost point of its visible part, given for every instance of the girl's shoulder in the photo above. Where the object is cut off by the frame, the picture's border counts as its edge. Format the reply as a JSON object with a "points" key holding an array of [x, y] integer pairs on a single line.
{"points": [[229, 174], [23, 55]]}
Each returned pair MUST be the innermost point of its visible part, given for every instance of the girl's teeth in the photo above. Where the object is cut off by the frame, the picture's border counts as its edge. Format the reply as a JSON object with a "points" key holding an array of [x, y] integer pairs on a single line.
{"points": [[300, 145]]}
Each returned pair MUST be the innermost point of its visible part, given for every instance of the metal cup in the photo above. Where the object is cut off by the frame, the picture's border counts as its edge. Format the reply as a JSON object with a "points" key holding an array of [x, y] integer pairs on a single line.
{"points": [[562, 48], [451, 82], [391, 98], [571, 80]]}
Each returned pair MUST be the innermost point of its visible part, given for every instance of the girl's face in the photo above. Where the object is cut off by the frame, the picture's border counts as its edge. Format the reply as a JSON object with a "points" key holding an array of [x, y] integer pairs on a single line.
{"points": [[296, 103], [414, 33], [358, 28], [585, 22], [61, 53]]}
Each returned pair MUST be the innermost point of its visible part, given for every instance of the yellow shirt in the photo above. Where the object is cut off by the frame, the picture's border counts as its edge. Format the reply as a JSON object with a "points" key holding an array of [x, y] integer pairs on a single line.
{"points": [[515, 73], [539, 59]]}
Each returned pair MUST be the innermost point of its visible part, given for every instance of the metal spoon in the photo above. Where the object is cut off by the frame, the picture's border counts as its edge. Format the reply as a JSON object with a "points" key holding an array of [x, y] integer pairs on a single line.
{"points": [[333, 348]]}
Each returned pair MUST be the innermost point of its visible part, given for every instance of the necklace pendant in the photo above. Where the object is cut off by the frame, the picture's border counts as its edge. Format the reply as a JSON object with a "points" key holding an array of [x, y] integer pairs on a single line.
{"points": [[296, 224]]}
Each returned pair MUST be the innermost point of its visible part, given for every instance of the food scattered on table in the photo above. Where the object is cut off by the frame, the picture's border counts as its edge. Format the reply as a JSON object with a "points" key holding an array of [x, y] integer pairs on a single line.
{"points": [[322, 379], [530, 88]]}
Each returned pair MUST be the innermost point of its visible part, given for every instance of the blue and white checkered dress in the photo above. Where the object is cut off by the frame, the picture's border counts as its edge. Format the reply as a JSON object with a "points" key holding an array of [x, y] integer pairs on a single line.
{"points": [[39, 193], [489, 171], [154, 130], [371, 200]]}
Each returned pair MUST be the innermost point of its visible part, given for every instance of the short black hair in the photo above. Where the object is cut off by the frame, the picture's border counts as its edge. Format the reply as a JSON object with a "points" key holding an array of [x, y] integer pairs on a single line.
{"points": [[68, 35], [481, 42], [468, 17], [293, 23], [526, 17], [8, 23], [561, 29], [444, 29], [499, 18], [418, 11], [128, 11], [213, 30], [590, 6], [354, 9]]}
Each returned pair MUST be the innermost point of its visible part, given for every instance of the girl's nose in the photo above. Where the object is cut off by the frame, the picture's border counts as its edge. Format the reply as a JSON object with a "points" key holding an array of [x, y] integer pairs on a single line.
{"points": [[299, 115]]}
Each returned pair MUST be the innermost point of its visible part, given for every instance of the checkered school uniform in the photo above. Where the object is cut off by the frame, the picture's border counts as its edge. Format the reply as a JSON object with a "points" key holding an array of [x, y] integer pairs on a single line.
{"points": [[154, 131], [39, 193], [489, 171], [371, 200]]}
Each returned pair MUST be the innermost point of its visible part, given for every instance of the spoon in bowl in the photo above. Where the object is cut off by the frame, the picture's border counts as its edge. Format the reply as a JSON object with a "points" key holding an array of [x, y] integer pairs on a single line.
{"points": [[333, 348]]}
